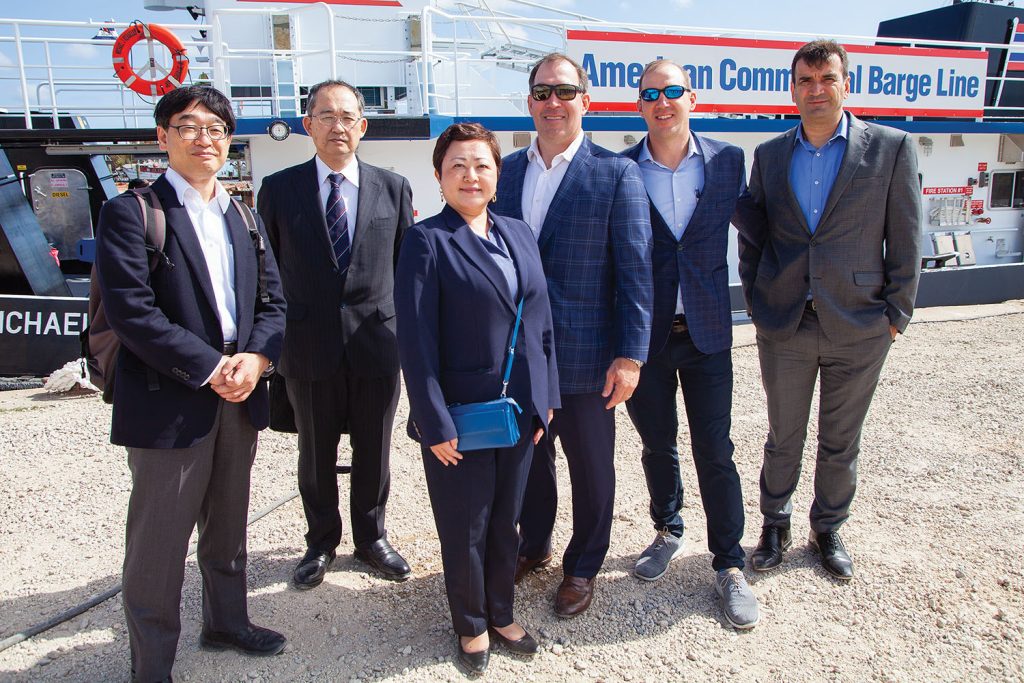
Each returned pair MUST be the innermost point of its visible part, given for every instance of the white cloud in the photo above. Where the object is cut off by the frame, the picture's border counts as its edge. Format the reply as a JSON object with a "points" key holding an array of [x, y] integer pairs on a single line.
{"points": [[682, 4], [82, 52], [5, 60]]}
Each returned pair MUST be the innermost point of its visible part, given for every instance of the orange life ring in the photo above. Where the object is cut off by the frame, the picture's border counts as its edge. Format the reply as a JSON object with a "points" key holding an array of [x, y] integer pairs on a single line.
{"points": [[173, 78]]}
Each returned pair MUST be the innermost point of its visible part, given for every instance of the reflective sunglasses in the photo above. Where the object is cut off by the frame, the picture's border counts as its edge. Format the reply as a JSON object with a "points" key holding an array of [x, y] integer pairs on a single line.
{"points": [[563, 91], [672, 92]]}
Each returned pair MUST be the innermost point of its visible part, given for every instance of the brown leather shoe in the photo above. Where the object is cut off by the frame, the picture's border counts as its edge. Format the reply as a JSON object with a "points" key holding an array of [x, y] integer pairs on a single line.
{"points": [[525, 565], [573, 596]]}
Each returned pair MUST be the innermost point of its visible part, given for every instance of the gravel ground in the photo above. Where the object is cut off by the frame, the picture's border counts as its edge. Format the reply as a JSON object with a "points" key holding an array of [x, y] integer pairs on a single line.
{"points": [[935, 534]]}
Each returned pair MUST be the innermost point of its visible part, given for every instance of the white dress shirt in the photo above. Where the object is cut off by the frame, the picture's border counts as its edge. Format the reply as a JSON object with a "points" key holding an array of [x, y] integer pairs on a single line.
{"points": [[541, 183], [674, 192], [212, 230], [349, 190]]}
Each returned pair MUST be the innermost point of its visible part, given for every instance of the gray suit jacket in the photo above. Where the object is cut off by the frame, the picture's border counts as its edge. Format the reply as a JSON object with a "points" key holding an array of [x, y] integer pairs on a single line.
{"points": [[861, 265]]}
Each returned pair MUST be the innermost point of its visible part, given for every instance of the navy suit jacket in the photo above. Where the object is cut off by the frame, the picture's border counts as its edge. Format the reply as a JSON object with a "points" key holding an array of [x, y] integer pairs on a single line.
{"points": [[697, 263], [168, 325], [596, 248], [455, 319], [331, 322]]}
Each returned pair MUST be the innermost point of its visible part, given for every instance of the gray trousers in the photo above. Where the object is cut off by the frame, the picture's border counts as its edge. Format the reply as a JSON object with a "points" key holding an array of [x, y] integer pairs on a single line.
{"points": [[849, 375], [172, 491]]}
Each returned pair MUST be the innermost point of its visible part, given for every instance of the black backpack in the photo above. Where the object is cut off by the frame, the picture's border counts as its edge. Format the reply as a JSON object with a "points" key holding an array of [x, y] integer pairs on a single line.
{"points": [[100, 344]]}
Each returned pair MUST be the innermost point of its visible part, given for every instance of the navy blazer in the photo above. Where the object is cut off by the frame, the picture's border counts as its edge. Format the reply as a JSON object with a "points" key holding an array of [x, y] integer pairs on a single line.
{"points": [[596, 248], [455, 318], [698, 262], [168, 326]]}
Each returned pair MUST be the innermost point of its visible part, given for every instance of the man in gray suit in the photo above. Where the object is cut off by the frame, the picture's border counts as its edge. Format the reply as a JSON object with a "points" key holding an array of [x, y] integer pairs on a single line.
{"points": [[829, 262]]}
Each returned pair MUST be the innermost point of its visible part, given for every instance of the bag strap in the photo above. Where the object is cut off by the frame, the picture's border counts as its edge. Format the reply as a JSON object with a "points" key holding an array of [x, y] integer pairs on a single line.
{"points": [[260, 246], [154, 223], [512, 349]]}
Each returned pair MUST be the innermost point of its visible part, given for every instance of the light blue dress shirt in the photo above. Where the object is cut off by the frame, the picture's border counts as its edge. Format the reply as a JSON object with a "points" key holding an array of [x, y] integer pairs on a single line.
{"points": [[674, 192], [813, 170]]}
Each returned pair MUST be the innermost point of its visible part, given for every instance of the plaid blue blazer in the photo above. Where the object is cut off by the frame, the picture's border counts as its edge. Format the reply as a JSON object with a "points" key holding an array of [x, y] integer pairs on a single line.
{"points": [[595, 245], [697, 263]]}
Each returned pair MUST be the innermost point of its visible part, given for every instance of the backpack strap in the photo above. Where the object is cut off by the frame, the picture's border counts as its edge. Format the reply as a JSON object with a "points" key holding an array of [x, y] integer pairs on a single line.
{"points": [[259, 244], [154, 222]]}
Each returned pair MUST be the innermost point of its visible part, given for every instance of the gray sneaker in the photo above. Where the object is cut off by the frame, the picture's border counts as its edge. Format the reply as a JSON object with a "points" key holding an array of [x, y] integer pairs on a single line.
{"points": [[738, 601], [653, 562]]}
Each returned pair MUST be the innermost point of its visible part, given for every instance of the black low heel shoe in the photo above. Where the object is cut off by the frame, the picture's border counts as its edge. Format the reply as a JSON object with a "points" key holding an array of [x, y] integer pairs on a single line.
{"points": [[474, 662], [526, 646]]}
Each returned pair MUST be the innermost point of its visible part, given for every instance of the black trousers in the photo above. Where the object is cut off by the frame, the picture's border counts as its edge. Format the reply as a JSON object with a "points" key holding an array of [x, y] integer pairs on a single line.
{"points": [[586, 431], [476, 506], [172, 490], [364, 407], [706, 380]]}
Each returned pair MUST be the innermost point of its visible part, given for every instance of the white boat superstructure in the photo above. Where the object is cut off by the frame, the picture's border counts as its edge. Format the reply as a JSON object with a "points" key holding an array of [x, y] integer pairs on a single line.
{"points": [[421, 66]]}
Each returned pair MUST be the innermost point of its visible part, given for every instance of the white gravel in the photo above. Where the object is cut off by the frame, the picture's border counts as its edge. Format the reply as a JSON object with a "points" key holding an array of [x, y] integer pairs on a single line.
{"points": [[936, 536]]}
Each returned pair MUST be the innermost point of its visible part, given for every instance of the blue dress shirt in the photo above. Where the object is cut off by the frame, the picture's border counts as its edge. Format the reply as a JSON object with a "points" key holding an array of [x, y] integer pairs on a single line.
{"points": [[674, 192], [813, 170], [498, 251]]}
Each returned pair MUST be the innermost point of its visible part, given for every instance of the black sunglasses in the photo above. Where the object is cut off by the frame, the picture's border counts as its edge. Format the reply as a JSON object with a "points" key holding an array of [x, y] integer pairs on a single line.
{"points": [[563, 91], [672, 92]]}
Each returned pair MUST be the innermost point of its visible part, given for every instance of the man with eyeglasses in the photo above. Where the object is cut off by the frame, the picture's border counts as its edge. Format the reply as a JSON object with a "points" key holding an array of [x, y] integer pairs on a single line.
{"points": [[693, 183], [197, 337], [336, 223], [589, 211]]}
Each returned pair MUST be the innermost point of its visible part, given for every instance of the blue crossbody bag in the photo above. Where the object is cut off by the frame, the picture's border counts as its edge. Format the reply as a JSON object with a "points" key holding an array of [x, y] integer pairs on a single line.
{"points": [[490, 424]]}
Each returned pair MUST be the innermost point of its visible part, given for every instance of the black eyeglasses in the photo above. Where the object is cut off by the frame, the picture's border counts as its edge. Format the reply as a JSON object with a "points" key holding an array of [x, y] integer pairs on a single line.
{"points": [[672, 92], [563, 91], [188, 132]]}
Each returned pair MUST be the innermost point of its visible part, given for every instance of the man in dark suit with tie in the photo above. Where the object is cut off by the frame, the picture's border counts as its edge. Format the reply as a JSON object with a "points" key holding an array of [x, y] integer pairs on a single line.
{"points": [[829, 262], [199, 327], [693, 183], [589, 212], [336, 224]]}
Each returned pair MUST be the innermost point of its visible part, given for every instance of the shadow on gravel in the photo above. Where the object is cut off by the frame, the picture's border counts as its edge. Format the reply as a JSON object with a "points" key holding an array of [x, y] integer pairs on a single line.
{"points": [[357, 624]]}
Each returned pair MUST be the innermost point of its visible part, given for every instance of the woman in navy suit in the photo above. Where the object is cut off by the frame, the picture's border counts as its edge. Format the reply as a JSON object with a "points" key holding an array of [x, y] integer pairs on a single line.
{"points": [[460, 277]]}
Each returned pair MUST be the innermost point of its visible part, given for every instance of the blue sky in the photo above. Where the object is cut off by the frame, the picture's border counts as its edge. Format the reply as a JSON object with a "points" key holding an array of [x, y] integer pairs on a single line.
{"points": [[859, 18]]}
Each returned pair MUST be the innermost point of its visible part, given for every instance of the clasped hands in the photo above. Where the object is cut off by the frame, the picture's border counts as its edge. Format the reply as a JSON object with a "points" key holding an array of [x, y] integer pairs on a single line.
{"points": [[237, 375]]}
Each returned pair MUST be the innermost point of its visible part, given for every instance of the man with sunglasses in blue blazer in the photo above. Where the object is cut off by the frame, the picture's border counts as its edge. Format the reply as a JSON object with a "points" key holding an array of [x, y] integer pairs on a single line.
{"points": [[693, 183], [588, 209]]}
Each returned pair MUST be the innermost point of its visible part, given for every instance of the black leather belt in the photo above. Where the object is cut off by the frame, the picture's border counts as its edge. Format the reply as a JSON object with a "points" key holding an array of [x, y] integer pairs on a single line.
{"points": [[810, 305], [679, 323], [230, 348]]}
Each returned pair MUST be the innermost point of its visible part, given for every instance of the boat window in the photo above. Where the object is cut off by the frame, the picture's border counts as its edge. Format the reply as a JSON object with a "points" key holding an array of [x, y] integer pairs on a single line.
{"points": [[1007, 190], [282, 29]]}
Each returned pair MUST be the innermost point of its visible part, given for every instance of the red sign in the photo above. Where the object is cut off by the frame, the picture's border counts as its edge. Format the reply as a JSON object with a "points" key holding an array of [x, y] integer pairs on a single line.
{"points": [[965, 189], [982, 165], [977, 204]]}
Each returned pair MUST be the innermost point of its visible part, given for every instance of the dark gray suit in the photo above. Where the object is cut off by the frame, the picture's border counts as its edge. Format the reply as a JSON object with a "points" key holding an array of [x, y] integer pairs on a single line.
{"points": [[340, 355], [860, 267]]}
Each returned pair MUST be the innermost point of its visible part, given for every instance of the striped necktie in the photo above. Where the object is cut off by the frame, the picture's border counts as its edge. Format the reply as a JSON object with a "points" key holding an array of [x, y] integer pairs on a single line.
{"points": [[337, 223]]}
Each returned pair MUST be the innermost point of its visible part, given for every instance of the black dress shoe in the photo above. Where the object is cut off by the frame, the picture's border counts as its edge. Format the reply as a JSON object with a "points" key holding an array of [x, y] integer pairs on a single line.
{"points": [[162, 680], [474, 662], [525, 646], [768, 553], [385, 559], [252, 640], [310, 571], [834, 557]]}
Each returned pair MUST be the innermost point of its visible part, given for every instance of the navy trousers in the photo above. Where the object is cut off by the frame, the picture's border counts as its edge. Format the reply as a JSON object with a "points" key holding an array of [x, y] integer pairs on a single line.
{"points": [[586, 431], [706, 380], [476, 508]]}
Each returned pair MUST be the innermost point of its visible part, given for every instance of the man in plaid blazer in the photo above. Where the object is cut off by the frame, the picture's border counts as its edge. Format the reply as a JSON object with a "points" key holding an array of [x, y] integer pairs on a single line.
{"points": [[693, 183], [589, 211]]}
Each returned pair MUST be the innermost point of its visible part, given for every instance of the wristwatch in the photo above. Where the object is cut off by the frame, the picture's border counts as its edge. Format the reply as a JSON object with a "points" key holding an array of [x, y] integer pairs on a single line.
{"points": [[639, 363]]}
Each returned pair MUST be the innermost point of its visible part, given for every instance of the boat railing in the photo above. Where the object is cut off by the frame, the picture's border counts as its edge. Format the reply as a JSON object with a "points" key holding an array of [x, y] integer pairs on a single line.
{"points": [[467, 61]]}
